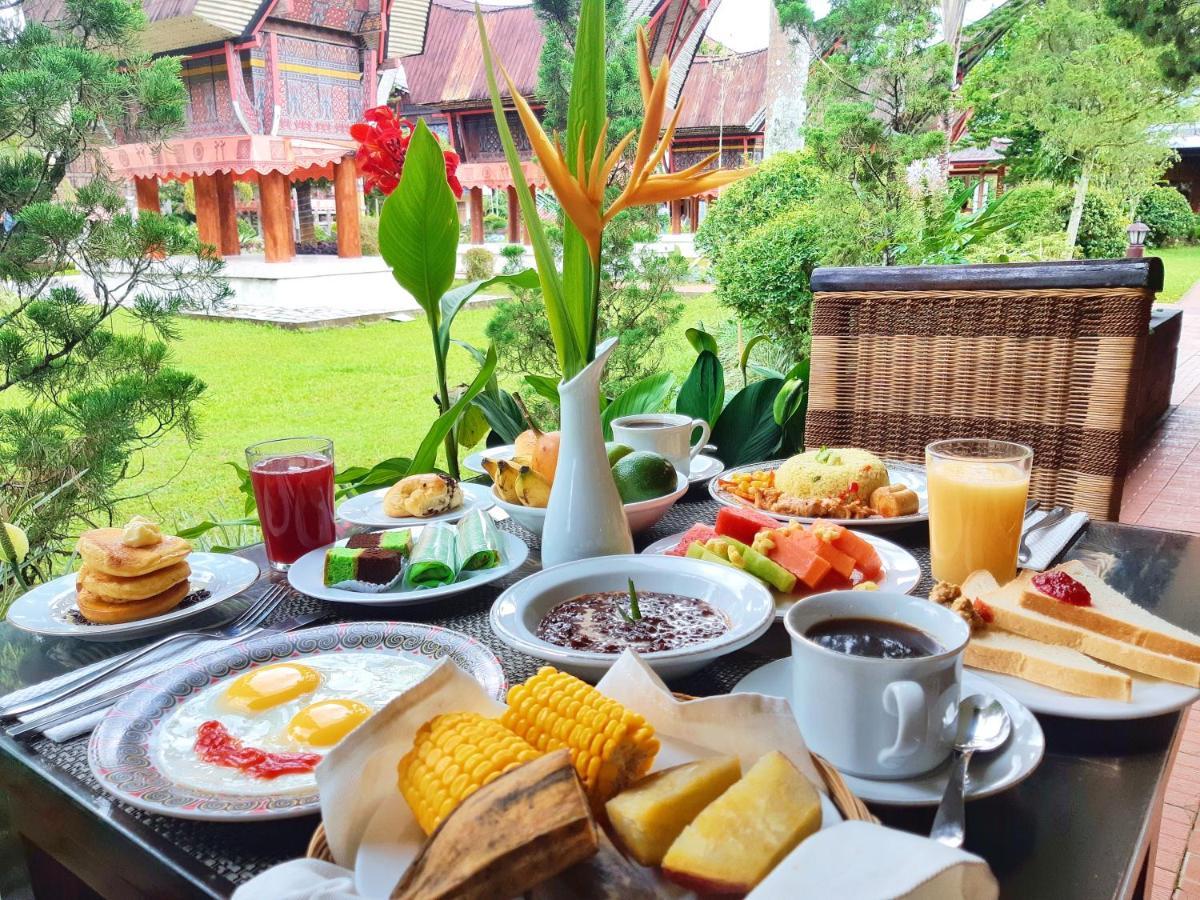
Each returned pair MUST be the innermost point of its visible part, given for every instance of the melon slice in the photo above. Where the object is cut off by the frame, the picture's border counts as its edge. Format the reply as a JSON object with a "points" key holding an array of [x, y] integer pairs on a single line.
{"points": [[699, 532], [864, 554], [798, 557], [840, 562], [742, 524]]}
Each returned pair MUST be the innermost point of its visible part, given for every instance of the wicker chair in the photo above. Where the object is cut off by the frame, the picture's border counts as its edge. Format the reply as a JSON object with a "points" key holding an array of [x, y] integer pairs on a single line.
{"points": [[1046, 354]]}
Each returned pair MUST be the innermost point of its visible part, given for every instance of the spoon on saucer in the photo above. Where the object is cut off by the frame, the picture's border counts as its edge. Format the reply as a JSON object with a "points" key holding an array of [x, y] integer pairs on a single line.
{"points": [[982, 725]]}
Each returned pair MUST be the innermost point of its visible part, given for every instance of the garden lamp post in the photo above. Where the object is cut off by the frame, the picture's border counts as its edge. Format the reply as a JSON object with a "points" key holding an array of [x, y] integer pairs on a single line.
{"points": [[1137, 239]]}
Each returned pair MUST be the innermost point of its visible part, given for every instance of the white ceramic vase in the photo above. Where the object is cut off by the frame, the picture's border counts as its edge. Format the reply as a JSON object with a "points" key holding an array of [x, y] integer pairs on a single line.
{"points": [[585, 517]]}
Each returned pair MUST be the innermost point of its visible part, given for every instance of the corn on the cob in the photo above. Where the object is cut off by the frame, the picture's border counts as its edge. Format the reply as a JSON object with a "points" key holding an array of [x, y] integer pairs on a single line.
{"points": [[452, 756], [610, 746]]}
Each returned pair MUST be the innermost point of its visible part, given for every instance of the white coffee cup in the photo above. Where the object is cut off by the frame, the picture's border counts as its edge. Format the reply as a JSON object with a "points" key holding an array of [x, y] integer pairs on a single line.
{"points": [[872, 717], [666, 434]]}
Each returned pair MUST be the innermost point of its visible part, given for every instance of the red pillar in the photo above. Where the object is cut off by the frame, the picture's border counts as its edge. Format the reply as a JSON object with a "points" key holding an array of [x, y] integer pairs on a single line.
{"points": [[208, 210], [676, 216], [514, 216], [476, 215], [147, 194], [275, 213], [694, 214], [345, 208], [230, 244]]}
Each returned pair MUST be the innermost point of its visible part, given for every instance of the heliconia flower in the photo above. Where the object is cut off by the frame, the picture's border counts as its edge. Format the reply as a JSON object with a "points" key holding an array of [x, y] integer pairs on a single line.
{"points": [[382, 145], [581, 194]]}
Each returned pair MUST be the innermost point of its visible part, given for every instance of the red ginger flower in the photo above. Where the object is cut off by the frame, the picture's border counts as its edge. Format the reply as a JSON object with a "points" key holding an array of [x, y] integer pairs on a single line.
{"points": [[382, 144]]}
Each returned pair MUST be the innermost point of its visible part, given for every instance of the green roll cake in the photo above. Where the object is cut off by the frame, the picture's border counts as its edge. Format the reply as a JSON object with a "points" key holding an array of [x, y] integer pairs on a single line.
{"points": [[435, 557], [398, 540], [358, 564], [479, 541]]}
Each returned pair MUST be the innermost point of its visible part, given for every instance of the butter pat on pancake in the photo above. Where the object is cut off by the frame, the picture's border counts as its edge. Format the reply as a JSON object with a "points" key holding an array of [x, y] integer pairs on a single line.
{"points": [[104, 550], [107, 612], [135, 587]]}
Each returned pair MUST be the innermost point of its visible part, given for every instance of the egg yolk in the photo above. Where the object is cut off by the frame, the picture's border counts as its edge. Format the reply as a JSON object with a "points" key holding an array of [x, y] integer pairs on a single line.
{"points": [[270, 686], [326, 722]]}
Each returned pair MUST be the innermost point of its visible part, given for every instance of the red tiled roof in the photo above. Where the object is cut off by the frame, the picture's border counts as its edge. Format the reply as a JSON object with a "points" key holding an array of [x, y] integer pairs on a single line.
{"points": [[724, 90], [450, 72]]}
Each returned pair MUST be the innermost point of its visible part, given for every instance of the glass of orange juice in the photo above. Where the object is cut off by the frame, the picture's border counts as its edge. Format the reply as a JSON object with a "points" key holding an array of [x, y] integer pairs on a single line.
{"points": [[977, 493]]}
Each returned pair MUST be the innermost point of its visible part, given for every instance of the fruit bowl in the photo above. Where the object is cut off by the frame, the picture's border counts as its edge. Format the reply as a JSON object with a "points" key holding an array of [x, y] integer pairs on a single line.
{"points": [[640, 515], [745, 602]]}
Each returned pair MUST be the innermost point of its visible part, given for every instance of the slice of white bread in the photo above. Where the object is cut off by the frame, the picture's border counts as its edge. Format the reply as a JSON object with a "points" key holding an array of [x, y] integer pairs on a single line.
{"points": [[1113, 614], [1004, 603], [1057, 667]]}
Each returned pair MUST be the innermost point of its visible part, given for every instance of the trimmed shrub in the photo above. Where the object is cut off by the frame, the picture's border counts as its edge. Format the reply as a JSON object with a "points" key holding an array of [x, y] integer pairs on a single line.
{"points": [[1031, 209], [514, 255], [478, 264], [493, 222], [1102, 227], [1167, 213], [764, 278], [368, 232]]}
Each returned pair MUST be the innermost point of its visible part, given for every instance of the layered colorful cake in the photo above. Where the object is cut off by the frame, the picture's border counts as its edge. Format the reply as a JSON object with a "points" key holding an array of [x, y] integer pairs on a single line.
{"points": [[398, 540], [373, 566]]}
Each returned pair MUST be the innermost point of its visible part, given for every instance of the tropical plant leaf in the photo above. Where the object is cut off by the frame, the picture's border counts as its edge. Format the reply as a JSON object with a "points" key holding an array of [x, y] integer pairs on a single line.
{"points": [[200, 528], [746, 431], [418, 228], [245, 487], [701, 340], [646, 396], [571, 354], [544, 386], [791, 407], [746, 350], [703, 393], [766, 371], [426, 455], [359, 479], [502, 413], [454, 300]]}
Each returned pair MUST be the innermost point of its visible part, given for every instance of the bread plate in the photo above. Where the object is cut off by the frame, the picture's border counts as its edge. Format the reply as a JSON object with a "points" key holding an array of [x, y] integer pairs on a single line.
{"points": [[907, 474], [745, 601], [307, 575], [49, 609], [1151, 697], [367, 509]]}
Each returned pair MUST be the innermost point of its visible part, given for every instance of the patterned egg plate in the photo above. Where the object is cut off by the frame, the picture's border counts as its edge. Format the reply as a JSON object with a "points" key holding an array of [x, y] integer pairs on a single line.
{"points": [[125, 752]]}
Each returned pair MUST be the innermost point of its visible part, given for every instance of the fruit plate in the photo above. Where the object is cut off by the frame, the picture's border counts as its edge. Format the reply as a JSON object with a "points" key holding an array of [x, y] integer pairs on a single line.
{"points": [[907, 474], [901, 571], [307, 575], [1151, 697], [367, 509], [703, 467], [49, 609], [125, 756]]}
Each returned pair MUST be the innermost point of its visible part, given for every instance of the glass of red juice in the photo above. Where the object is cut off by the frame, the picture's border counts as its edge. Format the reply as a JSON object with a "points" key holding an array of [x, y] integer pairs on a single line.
{"points": [[293, 486]]}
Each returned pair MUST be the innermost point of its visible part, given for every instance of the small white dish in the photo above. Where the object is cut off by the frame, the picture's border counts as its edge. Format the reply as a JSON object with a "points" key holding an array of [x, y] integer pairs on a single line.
{"points": [[367, 509], [1151, 697], [641, 515], [47, 609], [744, 600], [901, 571], [704, 467], [908, 474], [990, 773], [307, 575]]}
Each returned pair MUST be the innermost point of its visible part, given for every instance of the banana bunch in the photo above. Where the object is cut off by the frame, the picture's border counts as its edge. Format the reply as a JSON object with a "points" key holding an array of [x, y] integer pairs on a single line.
{"points": [[516, 481]]}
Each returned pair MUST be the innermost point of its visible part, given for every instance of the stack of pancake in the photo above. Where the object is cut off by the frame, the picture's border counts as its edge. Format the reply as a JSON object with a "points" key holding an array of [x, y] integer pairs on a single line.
{"points": [[121, 583]]}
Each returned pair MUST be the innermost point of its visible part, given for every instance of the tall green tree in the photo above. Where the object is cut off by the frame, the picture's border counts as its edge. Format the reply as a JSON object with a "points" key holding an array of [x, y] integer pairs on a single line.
{"points": [[86, 380], [1170, 27], [1090, 92]]}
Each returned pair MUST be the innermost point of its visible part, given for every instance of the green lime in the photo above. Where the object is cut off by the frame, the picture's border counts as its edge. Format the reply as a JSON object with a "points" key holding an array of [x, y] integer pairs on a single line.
{"points": [[643, 475], [616, 452]]}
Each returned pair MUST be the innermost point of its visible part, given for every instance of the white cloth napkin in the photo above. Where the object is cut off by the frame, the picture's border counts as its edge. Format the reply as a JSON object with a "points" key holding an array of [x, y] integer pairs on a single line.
{"points": [[373, 837], [159, 661], [1048, 543]]}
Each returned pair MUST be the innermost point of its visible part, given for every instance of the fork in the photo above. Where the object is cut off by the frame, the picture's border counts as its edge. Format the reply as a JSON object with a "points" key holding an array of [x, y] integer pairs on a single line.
{"points": [[254, 615], [1053, 517]]}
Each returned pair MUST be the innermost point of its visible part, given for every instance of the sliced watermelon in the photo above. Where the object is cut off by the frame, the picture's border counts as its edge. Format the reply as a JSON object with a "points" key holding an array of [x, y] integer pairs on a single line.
{"points": [[865, 555], [742, 524], [698, 532], [796, 555]]}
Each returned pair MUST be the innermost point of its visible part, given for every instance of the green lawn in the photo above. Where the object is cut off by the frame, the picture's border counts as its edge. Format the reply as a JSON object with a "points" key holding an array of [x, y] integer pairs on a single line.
{"points": [[368, 387], [1181, 267]]}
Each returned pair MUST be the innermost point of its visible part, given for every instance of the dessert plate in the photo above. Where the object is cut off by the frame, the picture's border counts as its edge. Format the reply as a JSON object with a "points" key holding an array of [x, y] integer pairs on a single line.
{"points": [[901, 571], [907, 474], [307, 575], [703, 467], [991, 773], [123, 752], [367, 509], [1151, 697], [49, 609]]}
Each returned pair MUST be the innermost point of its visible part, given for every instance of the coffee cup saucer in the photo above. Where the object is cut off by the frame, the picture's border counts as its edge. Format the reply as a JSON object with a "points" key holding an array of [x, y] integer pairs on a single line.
{"points": [[990, 773]]}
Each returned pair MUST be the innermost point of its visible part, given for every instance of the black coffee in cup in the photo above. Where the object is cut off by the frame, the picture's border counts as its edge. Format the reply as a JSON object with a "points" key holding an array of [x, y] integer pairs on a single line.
{"points": [[874, 638]]}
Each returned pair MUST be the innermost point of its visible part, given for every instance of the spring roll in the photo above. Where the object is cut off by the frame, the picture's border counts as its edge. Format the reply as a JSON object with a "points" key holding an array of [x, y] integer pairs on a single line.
{"points": [[434, 560], [478, 541]]}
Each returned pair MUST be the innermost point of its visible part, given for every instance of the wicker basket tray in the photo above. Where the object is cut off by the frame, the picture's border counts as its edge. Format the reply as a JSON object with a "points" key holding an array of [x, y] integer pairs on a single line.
{"points": [[848, 805]]}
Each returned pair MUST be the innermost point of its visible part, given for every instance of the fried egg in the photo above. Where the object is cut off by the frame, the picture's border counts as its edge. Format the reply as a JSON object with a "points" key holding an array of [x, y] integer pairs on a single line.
{"points": [[284, 707]]}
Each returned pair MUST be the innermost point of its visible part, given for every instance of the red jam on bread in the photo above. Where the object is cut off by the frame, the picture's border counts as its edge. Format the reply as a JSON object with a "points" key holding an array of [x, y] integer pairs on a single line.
{"points": [[1062, 586]]}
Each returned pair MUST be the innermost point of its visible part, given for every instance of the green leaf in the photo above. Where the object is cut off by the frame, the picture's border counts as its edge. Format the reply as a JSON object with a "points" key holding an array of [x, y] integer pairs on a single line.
{"points": [[745, 360], [746, 431], [453, 301], [426, 455], [701, 340], [703, 393], [646, 396], [357, 480], [502, 413], [200, 528], [766, 371], [571, 355], [791, 407], [418, 228], [544, 386]]}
